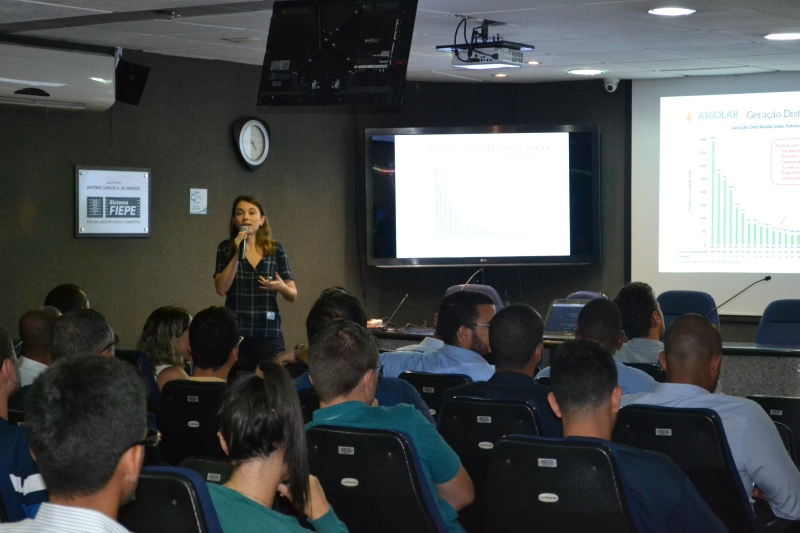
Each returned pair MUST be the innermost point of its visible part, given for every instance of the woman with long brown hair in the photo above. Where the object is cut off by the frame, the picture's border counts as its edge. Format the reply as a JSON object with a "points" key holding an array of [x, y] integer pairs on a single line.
{"points": [[250, 286]]}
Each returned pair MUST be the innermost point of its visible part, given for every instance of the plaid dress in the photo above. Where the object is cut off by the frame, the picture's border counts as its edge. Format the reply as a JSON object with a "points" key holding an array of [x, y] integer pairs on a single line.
{"points": [[256, 309]]}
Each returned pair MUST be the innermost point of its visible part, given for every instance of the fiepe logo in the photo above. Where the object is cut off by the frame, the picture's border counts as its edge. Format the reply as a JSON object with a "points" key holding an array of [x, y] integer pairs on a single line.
{"points": [[123, 207]]}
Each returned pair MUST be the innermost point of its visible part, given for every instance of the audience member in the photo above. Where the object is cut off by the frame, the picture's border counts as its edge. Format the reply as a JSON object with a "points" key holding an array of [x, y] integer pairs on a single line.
{"points": [[600, 321], [34, 332], [261, 430], [338, 303], [692, 358], [85, 419], [642, 322], [214, 343], [165, 340], [67, 298], [515, 336], [343, 363], [14, 449], [81, 332], [586, 397], [463, 325]]}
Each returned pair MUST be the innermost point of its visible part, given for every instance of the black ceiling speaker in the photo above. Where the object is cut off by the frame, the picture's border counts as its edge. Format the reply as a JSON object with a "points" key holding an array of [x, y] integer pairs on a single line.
{"points": [[130, 81]]}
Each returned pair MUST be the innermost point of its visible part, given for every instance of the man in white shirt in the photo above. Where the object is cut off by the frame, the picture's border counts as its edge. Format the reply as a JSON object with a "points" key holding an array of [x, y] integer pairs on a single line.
{"points": [[34, 331], [692, 360], [642, 322], [86, 423]]}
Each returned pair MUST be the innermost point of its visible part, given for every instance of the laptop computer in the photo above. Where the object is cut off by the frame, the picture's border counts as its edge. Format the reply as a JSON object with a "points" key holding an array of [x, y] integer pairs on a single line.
{"points": [[562, 319]]}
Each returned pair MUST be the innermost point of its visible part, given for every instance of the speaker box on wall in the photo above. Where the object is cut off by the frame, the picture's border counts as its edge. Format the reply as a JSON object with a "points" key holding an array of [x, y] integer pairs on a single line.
{"points": [[130, 80]]}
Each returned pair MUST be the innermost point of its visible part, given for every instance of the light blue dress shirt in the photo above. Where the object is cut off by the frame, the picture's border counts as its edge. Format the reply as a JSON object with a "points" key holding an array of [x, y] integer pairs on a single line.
{"points": [[446, 360], [757, 449], [630, 379], [640, 350]]}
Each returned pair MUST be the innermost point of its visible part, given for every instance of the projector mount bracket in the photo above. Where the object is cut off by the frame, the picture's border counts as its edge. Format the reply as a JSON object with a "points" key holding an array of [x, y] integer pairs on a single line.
{"points": [[480, 40]]}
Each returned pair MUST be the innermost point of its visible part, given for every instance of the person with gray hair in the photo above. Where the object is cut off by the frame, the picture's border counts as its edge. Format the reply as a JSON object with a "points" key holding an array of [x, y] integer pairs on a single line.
{"points": [[81, 332], [34, 332]]}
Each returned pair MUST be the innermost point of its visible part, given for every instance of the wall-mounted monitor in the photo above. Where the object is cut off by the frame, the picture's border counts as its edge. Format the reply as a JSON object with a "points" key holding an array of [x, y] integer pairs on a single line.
{"points": [[486, 195]]}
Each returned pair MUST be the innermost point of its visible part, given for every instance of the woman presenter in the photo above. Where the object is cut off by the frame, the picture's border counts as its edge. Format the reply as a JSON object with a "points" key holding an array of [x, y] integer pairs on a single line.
{"points": [[251, 269]]}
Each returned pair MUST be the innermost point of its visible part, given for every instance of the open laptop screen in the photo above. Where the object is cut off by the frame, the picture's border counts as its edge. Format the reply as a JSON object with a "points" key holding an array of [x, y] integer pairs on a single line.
{"points": [[562, 318]]}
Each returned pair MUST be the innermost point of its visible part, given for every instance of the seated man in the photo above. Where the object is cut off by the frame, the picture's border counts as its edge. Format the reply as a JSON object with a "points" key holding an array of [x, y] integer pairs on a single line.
{"points": [[642, 322], [586, 397], [86, 424], [14, 449], [214, 344], [692, 358], [343, 364], [600, 321], [515, 336], [341, 304], [81, 332], [34, 332], [463, 325], [66, 298]]}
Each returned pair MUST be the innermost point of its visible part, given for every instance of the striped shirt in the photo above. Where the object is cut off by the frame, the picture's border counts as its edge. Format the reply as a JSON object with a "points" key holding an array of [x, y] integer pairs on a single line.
{"points": [[256, 309], [53, 518]]}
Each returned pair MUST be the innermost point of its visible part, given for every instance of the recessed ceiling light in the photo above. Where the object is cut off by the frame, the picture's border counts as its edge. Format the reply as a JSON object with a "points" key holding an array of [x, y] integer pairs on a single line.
{"points": [[533, 62], [585, 72], [500, 75], [671, 11], [783, 36]]}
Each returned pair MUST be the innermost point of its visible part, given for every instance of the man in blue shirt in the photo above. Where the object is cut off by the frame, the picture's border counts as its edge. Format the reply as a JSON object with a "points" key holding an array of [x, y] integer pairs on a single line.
{"points": [[586, 397], [515, 336], [462, 323], [643, 323], [343, 366], [692, 360], [600, 321]]}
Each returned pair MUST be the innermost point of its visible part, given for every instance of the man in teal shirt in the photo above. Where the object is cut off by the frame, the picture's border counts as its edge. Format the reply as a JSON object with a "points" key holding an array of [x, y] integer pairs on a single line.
{"points": [[343, 367]]}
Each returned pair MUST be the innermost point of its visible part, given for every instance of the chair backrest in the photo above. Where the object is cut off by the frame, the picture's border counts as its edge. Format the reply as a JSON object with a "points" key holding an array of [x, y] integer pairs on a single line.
{"points": [[787, 437], [472, 427], [695, 440], [16, 418], [140, 361], [676, 303], [170, 500], [586, 295], [651, 369], [782, 409], [211, 469], [477, 287], [780, 323], [543, 380], [188, 420], [555, 485], [373, 479], [432, 386], [309, 402], [11, 501]]}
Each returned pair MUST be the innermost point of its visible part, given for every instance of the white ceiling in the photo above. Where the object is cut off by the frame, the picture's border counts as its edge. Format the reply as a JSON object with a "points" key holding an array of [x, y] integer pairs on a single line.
{"points": [[619, 37]]}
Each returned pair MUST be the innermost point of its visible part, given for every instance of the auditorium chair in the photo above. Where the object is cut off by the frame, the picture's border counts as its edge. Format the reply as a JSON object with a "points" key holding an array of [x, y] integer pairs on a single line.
{"points": [[16, 417], [586, 295], [695, 440], [780, 324], [170, 500], [374, 480], [11, 501], [477, 287], [188, 420], [651, 369], [676, 303], [543, 380], [309, 402], [140, 361], [787, 437], [555, 486], [432, 386], [211, 469], [472, 427], [784, 409]]}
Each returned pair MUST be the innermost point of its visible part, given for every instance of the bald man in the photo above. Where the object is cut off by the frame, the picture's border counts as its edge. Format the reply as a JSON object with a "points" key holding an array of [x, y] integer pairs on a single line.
{"points": [[34, 331], [692, 358]]}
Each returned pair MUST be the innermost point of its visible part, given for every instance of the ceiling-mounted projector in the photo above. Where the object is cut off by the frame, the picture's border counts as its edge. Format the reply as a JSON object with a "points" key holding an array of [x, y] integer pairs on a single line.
{"points": [[482, 52]]}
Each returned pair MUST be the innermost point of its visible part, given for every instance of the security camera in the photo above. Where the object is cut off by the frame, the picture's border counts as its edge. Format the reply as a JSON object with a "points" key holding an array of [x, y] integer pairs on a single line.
{"points": [[611, 84]]}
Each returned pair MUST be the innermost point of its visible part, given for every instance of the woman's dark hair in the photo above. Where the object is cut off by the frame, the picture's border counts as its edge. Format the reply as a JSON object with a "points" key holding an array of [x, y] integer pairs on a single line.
{"points": [[264, 238], [259, 416], [163, 326]]}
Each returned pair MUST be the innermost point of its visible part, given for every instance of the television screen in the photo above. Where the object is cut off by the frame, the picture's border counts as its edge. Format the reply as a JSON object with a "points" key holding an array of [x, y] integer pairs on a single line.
{"points": [[337, 52], [483, 195]]}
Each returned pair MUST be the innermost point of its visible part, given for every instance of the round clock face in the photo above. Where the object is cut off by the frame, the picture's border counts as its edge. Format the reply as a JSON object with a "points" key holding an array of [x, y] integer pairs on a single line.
{"points": [[254, 142]]}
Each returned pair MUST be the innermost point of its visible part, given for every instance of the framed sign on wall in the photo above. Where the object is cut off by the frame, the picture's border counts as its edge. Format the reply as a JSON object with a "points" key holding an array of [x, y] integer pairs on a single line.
{"points": [[112, 202]]}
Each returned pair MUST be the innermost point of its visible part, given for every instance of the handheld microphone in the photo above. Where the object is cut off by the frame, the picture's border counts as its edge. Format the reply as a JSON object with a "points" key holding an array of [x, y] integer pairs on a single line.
{"points": [[386, 324], [471, 278], [767, 278], [243, 244]]}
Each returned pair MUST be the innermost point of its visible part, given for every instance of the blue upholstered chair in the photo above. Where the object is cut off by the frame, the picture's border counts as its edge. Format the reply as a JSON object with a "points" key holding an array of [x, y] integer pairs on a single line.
{"points": [[780, 323], [586, 295], [676, 303], [477, 287], [140, 361], [431, 387]]}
